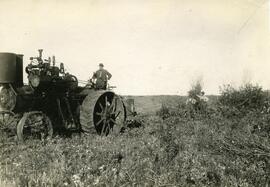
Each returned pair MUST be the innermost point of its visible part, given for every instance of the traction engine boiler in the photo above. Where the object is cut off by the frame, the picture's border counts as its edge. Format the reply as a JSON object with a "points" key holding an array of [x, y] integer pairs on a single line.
{"points": [[53, 102]]}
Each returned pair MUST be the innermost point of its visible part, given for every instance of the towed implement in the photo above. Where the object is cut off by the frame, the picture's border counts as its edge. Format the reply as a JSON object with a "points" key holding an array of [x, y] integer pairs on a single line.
{"points": [[53, 102]]}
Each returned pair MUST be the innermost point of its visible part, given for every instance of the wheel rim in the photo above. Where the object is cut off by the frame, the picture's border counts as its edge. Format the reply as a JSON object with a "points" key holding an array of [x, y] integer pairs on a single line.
{"points": [[7, 98], [6, 118], [109, 113], [34, 125], [8, 123]]}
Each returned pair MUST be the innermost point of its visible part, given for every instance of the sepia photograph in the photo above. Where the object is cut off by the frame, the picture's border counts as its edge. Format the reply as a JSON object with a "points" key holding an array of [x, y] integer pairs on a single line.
{"points": [[134, 93]]}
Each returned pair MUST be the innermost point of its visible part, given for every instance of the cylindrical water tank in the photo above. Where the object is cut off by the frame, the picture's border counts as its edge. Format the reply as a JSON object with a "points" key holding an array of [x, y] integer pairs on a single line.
{"points": [[8, 68]]}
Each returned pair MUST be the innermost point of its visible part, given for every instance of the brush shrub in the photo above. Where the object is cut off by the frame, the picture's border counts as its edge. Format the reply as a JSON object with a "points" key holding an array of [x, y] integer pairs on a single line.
{"points": [[240, 101]]}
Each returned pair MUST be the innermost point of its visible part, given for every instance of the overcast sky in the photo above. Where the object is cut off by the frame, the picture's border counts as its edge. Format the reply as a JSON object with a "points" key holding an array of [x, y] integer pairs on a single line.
{"points": [[150, 46]]}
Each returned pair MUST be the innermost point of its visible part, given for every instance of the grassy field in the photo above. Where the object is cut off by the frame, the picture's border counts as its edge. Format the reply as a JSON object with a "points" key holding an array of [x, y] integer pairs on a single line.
{"points": [[205, 150], [150, 104]]}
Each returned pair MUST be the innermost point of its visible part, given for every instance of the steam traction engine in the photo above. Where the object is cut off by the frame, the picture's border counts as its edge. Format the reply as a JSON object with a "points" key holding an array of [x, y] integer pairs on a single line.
{"points": [[52, 101]]}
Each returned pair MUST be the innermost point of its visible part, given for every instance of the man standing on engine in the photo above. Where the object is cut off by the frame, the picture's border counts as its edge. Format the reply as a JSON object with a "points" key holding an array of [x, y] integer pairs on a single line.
{"points": [[102, 76]]}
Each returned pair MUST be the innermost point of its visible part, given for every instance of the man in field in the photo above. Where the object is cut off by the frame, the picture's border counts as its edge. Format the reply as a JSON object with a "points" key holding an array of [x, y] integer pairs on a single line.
{"points": [[101, 76]]}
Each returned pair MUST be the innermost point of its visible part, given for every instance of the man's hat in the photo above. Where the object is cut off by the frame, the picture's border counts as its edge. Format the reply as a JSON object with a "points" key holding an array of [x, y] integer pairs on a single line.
{"points": [[100, 64]]}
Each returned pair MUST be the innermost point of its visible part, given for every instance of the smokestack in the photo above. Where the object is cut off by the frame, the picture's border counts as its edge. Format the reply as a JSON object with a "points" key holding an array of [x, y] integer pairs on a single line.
{"points": [[53, 60], [40, 53]]}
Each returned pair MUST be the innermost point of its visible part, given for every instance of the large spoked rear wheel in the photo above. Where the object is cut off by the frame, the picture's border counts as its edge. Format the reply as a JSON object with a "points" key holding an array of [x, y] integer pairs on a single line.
{"points": [[34, 125], [103, 110]]}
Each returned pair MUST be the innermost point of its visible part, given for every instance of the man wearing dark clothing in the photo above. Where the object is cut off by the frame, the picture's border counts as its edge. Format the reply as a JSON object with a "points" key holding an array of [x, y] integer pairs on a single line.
{"points": [[102, 76]]}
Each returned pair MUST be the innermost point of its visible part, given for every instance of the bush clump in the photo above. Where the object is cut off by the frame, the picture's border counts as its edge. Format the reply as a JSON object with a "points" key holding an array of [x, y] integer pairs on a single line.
{"points": [[240, 101]]}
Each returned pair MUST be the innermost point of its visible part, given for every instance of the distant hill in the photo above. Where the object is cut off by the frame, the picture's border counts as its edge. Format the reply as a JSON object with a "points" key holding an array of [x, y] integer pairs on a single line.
{"points": [[150, 104]]}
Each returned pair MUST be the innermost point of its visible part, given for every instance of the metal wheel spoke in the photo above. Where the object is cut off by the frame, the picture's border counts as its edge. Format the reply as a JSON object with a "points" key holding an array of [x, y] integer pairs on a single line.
{"points": [[117, 114], [99, 113], [3, 118], [104, 125], [112, 107], [112, 120], [101, 106], [108, 129], [106, 99], [8, 120], [99, 122], [106, 104]]}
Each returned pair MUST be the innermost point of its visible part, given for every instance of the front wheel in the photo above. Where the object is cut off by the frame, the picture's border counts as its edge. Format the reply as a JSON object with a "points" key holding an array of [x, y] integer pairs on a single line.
{"points": [[34, 125]]}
